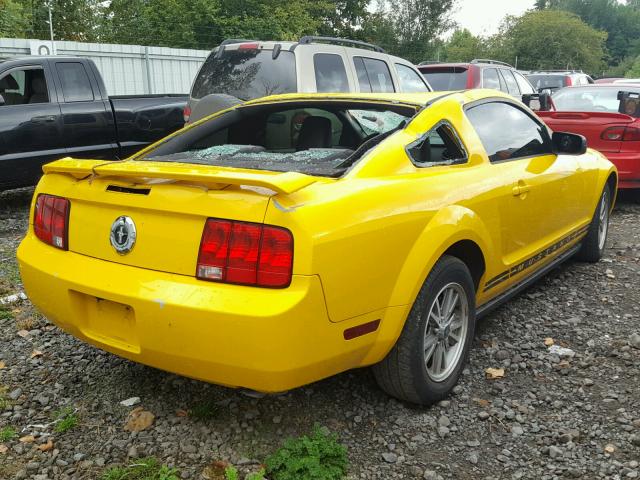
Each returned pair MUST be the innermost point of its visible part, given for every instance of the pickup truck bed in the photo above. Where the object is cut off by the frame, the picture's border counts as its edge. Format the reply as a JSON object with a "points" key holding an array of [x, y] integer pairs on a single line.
{"points": [[52, 107]]}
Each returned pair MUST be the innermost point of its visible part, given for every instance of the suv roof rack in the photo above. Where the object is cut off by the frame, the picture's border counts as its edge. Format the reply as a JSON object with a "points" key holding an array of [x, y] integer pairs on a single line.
{"points": [[492, 62], [561, 70], [308, 39]]}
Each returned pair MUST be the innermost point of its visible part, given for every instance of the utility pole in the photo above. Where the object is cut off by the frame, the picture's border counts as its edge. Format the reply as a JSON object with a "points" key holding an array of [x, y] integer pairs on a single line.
{"points": [[53, 46]]}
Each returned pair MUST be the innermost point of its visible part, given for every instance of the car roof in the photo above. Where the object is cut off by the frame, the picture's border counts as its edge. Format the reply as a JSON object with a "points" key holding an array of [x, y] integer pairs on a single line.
{"points": [[464, 64], [417, 99]]}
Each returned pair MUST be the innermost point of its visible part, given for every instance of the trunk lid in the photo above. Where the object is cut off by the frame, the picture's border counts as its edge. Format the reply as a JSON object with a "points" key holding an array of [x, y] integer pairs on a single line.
{"points": [[590, 124], [168, 203]]}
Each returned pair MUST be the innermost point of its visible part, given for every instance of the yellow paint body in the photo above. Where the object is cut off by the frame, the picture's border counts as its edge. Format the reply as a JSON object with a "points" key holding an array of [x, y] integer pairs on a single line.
{"points": [[364, 245]]}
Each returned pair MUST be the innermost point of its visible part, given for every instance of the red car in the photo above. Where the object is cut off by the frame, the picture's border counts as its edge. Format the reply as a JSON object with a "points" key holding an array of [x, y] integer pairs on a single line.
{"points": [[608, 116]]}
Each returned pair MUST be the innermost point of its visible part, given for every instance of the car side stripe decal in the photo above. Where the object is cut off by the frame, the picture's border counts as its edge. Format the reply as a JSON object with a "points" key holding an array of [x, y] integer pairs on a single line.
{"points": [[531, 261]]}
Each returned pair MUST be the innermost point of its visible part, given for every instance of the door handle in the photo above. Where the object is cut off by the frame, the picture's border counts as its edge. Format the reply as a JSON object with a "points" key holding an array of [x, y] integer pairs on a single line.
{"points": [[520, 188], [44, 118]]}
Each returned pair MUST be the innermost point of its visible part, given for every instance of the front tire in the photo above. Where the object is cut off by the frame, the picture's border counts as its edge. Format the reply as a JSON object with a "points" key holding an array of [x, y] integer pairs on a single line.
{"points": [[594, 242], [426, 362]]}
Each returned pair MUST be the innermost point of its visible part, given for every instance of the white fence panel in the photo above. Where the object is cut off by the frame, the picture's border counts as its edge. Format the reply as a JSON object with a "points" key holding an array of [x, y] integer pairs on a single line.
{"points": [[126, 69]]}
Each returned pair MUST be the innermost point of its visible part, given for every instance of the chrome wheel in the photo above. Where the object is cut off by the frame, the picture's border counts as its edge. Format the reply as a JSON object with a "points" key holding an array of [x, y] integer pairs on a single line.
{"points": [[446, 331], [603, 217]]}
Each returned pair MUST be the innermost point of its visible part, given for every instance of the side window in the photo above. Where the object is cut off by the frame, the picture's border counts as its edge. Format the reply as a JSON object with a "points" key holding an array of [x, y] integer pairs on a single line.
{"points": [[524, 137], [439, 146], [410, 80], [331, 75], [525, 87], [512, 85], [76, 86], [24, 86], [490, 78], [363, 77], [378, 75]]}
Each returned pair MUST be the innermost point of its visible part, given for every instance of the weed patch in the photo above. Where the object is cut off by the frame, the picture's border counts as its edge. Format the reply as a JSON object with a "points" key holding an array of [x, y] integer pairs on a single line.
{"points": [[7, 433], [67, 420], [204, 411], [143, 469], [318, 456]]}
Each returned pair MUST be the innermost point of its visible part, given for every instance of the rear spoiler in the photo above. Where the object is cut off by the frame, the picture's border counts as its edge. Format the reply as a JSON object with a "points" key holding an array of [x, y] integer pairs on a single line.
{"points": [[287, 182]]}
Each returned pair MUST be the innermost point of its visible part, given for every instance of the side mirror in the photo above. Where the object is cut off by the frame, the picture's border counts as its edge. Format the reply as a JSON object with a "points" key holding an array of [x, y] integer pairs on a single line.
{"points": [[568, 143], [538, 102], [1, 100]]}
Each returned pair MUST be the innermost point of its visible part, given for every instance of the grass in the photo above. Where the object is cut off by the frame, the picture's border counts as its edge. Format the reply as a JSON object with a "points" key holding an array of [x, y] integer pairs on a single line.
{"points": [[5, 313], [318, 456], [67, 420], [4, 401], [7, 433], [231, 473], [204, 411], [143, 469]]}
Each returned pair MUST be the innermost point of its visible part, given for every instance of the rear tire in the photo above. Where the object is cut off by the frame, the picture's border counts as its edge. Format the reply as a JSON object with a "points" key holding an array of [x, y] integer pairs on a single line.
{"points": [[594, 242], [426, 362]]}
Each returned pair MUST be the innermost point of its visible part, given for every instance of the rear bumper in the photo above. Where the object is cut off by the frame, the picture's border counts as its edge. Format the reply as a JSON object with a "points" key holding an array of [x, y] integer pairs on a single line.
{"points": [[267, 340], [628, 165]]}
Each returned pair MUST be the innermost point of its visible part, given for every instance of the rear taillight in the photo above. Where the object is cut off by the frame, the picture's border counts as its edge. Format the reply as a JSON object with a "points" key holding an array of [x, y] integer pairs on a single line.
{"points": [[51, 220], [567, 81], [619, 133], [186, 113], [245, 253]]}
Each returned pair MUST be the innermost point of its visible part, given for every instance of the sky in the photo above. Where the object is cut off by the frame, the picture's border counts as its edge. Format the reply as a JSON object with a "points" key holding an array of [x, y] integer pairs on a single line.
{"points": [[483, 17]]}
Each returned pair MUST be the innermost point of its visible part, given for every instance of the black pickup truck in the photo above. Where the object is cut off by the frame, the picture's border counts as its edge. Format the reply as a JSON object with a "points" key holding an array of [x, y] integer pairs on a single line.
{"points": [[53, 107]]}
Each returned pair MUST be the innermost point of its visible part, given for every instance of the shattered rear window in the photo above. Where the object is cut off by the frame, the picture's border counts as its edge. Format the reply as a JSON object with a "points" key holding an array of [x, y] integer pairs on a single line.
{"points": [[308, 139]]}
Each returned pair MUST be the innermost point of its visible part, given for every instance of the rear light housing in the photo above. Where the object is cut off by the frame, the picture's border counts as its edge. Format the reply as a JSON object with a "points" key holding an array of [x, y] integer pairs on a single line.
{"points": [[245, 253], [186, 113], [51, 220], [248, 46], [567, 81], [621, 134]]}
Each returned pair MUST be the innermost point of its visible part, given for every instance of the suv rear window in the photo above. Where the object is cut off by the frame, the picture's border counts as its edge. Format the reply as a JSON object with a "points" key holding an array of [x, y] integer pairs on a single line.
{"points": [[547, 81], [446, 78], [246, 74]]}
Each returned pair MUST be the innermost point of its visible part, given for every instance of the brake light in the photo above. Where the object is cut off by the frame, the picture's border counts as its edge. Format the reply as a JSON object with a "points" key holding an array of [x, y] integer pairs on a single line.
{"points": [[248, 46], [186, 113], [620, 133], [567, 81], [245, 253], [51, 220]]}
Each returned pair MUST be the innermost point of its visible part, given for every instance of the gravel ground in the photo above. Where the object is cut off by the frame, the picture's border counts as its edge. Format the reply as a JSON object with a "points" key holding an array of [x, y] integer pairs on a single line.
{"points": [[549, 417]]}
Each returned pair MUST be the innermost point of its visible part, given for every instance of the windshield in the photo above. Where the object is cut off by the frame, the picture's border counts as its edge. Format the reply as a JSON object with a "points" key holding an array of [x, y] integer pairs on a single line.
{"points": [[446, 78], [595, 99], [246, 74], [306, 138], [540, 82]]}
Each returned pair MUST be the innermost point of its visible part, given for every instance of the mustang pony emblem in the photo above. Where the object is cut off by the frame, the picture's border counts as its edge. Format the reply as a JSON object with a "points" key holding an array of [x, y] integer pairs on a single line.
{"points": [[123, 234]]}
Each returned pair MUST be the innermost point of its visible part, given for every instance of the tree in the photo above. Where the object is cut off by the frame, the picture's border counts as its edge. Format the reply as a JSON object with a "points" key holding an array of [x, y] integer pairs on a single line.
{"points": [[554, 39], [463, 46], [634, 71], [410, 28], [75, 20], [620, 21], [13, 19]]}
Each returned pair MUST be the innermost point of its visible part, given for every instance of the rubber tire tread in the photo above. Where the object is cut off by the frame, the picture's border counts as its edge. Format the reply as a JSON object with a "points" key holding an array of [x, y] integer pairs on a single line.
{"points": [[394, 373], [590, 250]]}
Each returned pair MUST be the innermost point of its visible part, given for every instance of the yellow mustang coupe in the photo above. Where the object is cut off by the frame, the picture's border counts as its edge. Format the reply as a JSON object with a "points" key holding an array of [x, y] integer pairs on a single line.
{"points": [[293, 237]]}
